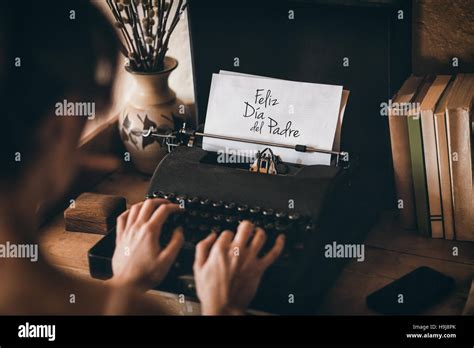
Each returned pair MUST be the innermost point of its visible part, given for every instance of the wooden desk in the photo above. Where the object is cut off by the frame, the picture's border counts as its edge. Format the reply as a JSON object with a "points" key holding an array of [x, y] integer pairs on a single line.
{"points": [[390, 253]]}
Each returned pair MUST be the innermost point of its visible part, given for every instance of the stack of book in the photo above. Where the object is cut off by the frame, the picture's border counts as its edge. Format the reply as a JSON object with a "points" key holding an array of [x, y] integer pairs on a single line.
{"points": [[431, 131]]}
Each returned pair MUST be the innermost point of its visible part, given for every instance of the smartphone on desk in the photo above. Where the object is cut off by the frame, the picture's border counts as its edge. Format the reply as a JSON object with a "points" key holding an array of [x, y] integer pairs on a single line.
{"points": [[412, 293]]}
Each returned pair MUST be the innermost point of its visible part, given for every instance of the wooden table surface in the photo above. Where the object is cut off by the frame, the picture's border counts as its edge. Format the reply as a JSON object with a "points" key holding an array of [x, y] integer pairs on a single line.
{"points": [[390, 252]]}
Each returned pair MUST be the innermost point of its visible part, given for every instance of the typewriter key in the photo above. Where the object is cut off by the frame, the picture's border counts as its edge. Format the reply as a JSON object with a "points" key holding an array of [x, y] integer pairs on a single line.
{"points": [[268, 212], [204, 228], [181, 198], [231, 219], [205, 203], [192, 201], [281, 228], [255, 210], [231, 222], [218, 218], [218, 204], [268, 227], [229, 206], [293, 216], [175, 220], [205, 215], [168, 196], [158, 194], [280, 214], [191, 228], [242, 208]]}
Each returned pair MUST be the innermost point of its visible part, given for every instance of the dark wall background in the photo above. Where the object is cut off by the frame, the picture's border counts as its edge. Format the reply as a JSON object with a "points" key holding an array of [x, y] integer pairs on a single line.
{"points": [[443, 29], [311, 48]]}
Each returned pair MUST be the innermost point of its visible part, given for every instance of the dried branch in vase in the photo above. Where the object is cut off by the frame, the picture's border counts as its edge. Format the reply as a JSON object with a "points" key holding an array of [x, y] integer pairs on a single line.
{"points": [[146, 27]]}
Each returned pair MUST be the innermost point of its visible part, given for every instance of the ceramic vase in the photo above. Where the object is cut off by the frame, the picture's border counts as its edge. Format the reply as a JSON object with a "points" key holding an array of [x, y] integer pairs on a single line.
{"points": [[152, 106]]}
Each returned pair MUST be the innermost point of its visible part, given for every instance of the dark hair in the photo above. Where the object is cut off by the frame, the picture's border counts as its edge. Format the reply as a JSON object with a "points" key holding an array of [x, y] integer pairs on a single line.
{"points": [[48, 50]]}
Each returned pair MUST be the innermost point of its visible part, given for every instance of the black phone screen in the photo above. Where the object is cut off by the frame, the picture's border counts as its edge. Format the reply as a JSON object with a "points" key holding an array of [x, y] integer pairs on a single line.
{"points": [[412, 293]]}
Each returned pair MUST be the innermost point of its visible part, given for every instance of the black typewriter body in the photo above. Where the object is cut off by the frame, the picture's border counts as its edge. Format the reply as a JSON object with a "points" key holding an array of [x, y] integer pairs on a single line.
{"points": [[312, 205]]}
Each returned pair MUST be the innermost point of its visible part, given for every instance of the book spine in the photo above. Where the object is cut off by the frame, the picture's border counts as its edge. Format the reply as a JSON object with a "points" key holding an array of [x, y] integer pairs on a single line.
{"points": [[402, 170], [432, 173], [444, 174], [459, 131], [419, 175]]}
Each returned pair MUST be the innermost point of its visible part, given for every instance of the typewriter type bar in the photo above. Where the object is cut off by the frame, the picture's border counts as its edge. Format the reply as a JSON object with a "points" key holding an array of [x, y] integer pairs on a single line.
{"points": [[184, 136], [299, 148]]}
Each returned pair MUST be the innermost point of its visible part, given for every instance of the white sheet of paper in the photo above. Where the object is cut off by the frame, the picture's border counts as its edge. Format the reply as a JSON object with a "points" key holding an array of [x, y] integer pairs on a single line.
{"points": [[342, 108], [272, 110]]}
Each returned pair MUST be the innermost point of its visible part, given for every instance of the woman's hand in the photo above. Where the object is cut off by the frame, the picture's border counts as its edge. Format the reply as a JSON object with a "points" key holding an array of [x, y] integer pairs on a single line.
{"points": [[139, 261], [227, 271], [246, 267], [212, 272]]}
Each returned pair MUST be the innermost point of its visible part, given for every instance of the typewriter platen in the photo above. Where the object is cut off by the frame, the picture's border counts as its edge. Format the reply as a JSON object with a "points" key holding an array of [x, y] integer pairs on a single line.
{"points": [[312, 205]]}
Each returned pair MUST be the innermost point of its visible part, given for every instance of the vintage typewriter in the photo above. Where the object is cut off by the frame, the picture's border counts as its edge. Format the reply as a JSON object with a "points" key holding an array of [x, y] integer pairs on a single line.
{"points": [[312, 205], [336, 203]]}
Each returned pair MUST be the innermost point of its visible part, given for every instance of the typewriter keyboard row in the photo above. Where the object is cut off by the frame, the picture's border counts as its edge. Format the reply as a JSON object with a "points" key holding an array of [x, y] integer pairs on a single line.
{"points": [[202, 215]]}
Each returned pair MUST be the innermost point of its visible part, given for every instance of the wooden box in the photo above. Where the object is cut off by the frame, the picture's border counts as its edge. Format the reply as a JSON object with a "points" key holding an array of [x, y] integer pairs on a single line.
{"points": [[94, 213]]}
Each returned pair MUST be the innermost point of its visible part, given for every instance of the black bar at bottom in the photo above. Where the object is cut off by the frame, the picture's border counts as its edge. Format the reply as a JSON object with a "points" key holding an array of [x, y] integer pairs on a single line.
{"points": [[136, 330]]}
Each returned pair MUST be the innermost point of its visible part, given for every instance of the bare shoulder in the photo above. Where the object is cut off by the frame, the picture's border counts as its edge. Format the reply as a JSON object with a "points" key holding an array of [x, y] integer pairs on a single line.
{"points": [[44, 290]]}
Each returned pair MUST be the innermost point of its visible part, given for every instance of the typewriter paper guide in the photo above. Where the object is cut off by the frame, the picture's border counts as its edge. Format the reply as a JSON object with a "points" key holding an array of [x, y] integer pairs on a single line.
{"points": [[272, 110]]}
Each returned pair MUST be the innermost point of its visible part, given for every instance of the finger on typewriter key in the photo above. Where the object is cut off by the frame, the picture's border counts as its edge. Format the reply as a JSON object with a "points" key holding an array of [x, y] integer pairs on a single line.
{"points": [[224, 239], [133, 214], [170, 252], [202, 250], [245, 230], [162, 213], [148, 208], [274, 252], [258, 240]]}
